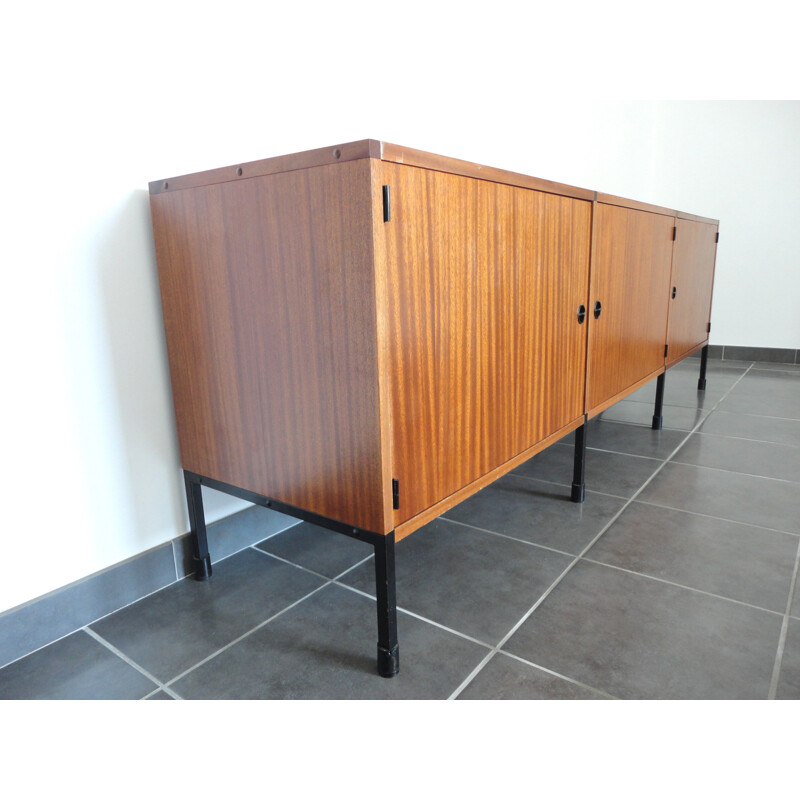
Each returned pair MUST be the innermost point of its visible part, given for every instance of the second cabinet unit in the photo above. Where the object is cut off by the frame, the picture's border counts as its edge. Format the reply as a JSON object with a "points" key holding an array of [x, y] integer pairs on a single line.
{"points": [[630, 279], [691, 284]]}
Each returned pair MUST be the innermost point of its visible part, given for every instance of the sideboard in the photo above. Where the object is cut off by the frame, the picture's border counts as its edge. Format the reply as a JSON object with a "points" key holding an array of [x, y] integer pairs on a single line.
{"points": [[364, 335]]}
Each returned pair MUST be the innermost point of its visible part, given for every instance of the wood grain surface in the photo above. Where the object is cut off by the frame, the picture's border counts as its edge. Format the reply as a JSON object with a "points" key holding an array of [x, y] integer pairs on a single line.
{"points": [[337, 153], [693, 279], [630, 276], [486, 354], [456, 166], [269, 306], [624, 202], [446, 503]]}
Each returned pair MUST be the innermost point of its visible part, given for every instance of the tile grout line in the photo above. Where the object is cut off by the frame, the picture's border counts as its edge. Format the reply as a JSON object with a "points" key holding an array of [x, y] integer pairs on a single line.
{"points": [[563, 485], [506, 536], [632, 571], [762, 416], [475, 672], [747, 438], [776, 670], [682, 586], [328, 582], [143, 597], [558, 675], [720, 519], [264, 553], [420, 617], [735, 472], [245, 635], [131, 663], [602, 450]]}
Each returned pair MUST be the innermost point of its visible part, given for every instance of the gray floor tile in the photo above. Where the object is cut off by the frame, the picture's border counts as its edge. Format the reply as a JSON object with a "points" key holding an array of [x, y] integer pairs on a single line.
{"points": [[232, 534], [749, 426], [537, 512], [770, 394], [766, 460], [762, 354], [324, 648], [635, 637], [726, 558], [635, 440], [674, 417], [789, 678], [506, 678], [714, 367], [160, 695], [795, 608], [318, 549], [474, 582], [611, 473], [74, 668], [37, 624], [680, 389], [173, 629], [771, 366], [765, 502]]}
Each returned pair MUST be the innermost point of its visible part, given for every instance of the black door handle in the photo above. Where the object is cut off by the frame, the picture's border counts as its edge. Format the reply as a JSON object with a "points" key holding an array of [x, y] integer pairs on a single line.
{"points": [[597, 309], [674, 291], [581, 314]]}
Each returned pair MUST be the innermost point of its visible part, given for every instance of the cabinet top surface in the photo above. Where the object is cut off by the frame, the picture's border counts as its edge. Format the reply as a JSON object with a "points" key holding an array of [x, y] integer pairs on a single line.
{"points": [[384, 151]]}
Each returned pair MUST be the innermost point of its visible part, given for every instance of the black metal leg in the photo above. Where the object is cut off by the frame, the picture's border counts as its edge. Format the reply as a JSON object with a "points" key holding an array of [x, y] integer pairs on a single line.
{"points": [[197, 523], [658, 419], [388, 648], [578, 484], [701, 383]]}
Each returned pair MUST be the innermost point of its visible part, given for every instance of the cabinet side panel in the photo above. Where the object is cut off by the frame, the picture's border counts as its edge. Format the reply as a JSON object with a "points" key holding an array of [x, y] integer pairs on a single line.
{"points": [[487, 355], [631, 263], [693, 279], [269, 308]]}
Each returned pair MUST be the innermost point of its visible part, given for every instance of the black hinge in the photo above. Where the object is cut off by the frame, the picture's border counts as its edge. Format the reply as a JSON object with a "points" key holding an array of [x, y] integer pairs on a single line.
{"points": [[387, 211], [395, 493], [708, 329], [716, 238], [674, 233], [666, 350]]}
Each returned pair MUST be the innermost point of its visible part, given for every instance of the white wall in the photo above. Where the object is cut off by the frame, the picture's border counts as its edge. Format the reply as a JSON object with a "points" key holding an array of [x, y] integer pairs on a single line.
{"points": [[739, 162], [103, 100]]}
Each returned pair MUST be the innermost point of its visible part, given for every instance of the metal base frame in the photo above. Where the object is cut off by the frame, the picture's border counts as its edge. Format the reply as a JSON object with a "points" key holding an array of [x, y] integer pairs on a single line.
{"points": [[385, 584], [701, 383], [578, 494], [658, 417]]}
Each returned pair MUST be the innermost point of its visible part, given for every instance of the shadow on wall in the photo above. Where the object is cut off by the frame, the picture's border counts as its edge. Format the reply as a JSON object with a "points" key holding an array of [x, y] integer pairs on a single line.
{"points": [[134, 339], [137, 352]]}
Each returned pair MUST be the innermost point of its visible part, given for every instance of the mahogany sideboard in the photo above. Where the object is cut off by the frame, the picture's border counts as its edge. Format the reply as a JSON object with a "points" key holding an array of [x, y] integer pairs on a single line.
{"points": [[364, 335]]}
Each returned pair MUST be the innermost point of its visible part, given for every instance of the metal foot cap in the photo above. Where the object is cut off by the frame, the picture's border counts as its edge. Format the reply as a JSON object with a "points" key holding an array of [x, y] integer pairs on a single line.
{"points": [[701, 385], [388, 661], [578, 492], [202, 568], [658, 423]]}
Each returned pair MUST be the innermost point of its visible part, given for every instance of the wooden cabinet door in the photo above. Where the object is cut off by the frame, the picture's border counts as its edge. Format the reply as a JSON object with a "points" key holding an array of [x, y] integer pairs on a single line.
{"points": [[487, 356], [631, 261], [692, 282]]}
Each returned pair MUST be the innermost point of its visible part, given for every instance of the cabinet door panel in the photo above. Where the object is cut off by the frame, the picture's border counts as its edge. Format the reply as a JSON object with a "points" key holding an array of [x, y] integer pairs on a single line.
{"points": [[488, 358], [693, 279], [630, 278]]}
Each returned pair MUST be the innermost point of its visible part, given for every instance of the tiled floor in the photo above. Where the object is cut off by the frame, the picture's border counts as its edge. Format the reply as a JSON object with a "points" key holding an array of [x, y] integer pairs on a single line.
{"points": [[675, 579]]}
